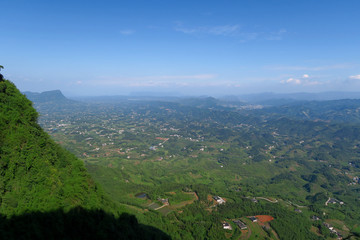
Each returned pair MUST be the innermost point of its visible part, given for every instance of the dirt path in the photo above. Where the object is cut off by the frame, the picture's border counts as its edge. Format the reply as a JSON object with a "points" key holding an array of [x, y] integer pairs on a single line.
{"points": [[326, 203], [266, 199], [161, 207], [275, 234], [197, 197], [294, 204]]}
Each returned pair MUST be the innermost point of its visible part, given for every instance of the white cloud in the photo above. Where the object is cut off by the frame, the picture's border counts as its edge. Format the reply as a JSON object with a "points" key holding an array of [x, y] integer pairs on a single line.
{"points": [[223, 30], [127, 32], [233, 30], [303, 81], [292, 80], [357, 77]]}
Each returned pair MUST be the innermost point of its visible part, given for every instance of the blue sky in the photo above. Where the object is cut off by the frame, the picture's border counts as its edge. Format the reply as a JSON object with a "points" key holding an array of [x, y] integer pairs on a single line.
{"points": [[188, 47]]}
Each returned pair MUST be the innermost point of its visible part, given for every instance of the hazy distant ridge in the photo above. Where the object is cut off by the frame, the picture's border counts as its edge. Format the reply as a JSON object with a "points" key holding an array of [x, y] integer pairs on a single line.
{"points": [[48, 96], [322, 96]]}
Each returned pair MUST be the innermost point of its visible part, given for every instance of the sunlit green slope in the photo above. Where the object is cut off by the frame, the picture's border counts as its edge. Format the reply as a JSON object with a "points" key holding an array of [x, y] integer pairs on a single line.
{"points": [[36, 173]]}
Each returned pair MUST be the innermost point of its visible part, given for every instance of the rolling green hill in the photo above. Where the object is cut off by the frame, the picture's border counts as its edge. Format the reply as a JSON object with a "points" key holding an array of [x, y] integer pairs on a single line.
{"points": [[340, 111]]}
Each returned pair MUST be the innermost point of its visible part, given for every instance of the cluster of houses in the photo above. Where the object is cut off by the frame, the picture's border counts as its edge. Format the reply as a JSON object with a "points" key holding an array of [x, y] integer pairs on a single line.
{"points": [[333, 230], [333, 201], [355, 181], [315, 218], [238, 223], [328, 226]]}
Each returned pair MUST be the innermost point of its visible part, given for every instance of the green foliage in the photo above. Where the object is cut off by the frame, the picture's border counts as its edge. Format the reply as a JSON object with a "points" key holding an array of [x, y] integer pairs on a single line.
{"points": [[36, 174]]}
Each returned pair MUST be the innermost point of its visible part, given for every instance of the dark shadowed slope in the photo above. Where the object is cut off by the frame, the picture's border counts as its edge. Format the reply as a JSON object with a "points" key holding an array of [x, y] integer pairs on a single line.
{"points": [[78, 223]]}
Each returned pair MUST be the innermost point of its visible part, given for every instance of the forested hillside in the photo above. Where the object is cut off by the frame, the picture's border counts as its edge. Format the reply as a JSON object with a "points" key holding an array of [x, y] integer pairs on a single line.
{"points": [[45, 191], [36, 173]]}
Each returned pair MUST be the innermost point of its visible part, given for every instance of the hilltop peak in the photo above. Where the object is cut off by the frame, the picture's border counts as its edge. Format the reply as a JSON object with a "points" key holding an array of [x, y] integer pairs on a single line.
{"points": [[47, 96]]}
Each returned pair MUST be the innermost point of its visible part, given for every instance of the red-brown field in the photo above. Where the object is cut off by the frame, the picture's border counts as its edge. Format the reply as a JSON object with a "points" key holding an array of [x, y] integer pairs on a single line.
{"points": [[264, 218]]}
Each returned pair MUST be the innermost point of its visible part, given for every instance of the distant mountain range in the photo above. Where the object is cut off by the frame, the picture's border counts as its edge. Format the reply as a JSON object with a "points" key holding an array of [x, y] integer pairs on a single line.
{"points": [[290, 101], [264, 98]]}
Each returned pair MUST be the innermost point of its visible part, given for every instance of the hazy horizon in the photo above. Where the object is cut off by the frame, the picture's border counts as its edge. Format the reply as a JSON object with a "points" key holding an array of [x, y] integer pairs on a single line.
{"points": [[190, 48], [251, 97], [181, 94]]}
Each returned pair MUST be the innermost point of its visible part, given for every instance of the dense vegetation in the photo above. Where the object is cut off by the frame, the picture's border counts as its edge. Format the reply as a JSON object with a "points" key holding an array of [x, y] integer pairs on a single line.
{"points": [[45, 191], [36, 173], [188, 151]]}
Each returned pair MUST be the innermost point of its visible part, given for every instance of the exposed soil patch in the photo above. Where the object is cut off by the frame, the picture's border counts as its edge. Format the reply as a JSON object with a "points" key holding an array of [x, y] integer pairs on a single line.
{"points": [[210, 198], [264, 218]]}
